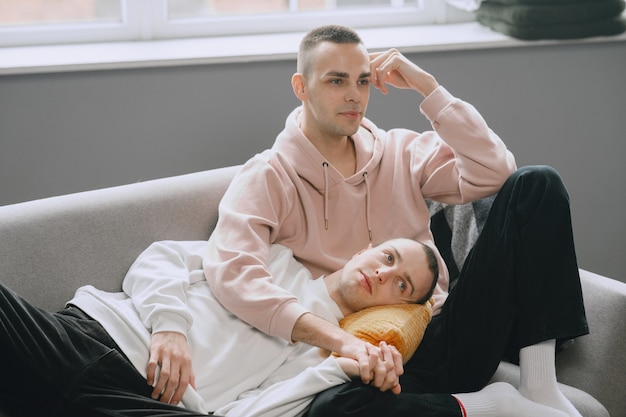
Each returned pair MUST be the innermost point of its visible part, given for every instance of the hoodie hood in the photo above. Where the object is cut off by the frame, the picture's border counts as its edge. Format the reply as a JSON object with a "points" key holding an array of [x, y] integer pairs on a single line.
{"points": [[311, 165]]}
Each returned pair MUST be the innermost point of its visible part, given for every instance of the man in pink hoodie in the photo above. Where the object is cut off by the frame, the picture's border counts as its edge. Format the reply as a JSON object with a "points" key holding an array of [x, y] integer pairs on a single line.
{"points": [[333, 182]]}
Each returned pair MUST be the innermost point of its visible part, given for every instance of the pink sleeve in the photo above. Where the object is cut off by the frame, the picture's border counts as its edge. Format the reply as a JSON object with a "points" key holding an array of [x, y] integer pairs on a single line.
{"points": [[235, 263], [472, 163]]}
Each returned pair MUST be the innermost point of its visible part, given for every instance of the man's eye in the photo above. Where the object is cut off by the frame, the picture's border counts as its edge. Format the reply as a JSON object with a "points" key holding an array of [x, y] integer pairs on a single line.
{"points": [[336, 81], [402, 285], [364, 82], [389, 258]]}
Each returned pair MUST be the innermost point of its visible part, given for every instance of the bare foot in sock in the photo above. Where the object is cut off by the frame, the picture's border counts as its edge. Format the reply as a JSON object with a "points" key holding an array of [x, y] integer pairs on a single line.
{"points": [[513, 404], [551, 397]]}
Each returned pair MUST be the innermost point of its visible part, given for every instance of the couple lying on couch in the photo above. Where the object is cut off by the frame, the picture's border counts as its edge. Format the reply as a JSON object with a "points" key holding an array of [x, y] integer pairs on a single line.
{"points": [[97, 356]]}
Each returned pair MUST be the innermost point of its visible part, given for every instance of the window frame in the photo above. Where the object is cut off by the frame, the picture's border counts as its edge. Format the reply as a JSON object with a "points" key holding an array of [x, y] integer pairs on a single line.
{"points": [[429, 12], [143, 20], [130, 27]]}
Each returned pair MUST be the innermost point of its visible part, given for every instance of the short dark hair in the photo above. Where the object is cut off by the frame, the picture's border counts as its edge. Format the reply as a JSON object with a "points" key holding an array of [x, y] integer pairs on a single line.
{"points": [[433, 266], [329, 33]]}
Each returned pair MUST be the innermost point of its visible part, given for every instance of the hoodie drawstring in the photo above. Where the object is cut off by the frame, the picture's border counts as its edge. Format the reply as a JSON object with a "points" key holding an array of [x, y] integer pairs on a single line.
{"points": [[325, 165], [367, 205], [367, 200]]}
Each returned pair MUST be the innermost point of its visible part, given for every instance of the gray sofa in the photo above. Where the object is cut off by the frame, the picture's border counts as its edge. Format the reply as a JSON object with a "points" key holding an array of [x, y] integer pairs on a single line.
{"points": [[49, 247]]}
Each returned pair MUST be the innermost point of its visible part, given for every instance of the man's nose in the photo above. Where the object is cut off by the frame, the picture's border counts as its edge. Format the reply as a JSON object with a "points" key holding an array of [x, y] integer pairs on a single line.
{"points": [[353, 95], [383, 274]]}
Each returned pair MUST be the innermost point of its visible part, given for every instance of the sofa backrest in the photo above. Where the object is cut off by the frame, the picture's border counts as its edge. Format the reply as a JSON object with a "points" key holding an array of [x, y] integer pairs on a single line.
{"points": [[50, 247]]}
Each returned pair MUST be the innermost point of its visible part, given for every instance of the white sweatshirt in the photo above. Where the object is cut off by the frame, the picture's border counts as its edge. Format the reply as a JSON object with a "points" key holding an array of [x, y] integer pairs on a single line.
{"points": [[240, 371]]}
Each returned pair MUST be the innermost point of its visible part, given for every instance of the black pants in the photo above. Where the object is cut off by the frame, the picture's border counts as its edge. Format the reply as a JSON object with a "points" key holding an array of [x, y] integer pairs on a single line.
{"points": [[519, 286], [65, 364]]}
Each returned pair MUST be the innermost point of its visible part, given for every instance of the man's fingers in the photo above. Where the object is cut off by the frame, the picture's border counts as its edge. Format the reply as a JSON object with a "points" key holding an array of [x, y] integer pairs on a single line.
{"points": [[367, 362], [169, 368], [151, 371], [161, 380], [397, 360], [375, 62], [170, 385], [382, 64], [388, 370], [380, 374], [173, 381], [379, 366], [181, 386]]}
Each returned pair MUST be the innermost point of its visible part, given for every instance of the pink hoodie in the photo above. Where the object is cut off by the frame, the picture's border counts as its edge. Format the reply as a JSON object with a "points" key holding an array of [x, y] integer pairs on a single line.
{"points": [[292, 196]]}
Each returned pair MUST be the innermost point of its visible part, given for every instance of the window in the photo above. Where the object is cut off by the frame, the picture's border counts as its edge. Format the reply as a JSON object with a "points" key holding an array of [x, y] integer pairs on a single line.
{"points": [[35, 12], [36, 22]]}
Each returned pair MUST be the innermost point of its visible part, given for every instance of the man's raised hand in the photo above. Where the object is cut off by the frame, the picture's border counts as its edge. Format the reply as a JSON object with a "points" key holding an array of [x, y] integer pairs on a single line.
{"points": [[392, 68]]}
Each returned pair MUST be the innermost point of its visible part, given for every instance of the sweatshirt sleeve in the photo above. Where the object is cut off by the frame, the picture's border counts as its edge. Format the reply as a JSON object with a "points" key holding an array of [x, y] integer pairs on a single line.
{"points": [[471, 163], [288, 398], [236, 262], [158, 280]]}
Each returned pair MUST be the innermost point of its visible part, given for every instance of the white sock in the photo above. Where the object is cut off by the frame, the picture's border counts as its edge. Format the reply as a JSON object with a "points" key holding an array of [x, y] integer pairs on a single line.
{"points": [[502, 400], [538, 378]]}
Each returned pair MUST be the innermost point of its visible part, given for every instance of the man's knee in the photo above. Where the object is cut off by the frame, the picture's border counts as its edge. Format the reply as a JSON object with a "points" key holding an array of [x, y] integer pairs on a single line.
{"points": [[538, 179], [537, 173]]}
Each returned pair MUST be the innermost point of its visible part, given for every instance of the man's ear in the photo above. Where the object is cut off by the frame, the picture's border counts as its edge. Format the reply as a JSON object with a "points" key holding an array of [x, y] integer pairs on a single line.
{"points": [[297, 83]]}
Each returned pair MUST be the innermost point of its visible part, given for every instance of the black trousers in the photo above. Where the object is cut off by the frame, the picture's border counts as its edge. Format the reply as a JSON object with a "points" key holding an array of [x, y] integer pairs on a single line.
{"points": [[65, 364], [519, 286]]}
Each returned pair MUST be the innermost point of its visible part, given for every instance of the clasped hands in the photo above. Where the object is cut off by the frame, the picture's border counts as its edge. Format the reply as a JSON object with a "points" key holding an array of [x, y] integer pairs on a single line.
{"points": [[379, 366]]}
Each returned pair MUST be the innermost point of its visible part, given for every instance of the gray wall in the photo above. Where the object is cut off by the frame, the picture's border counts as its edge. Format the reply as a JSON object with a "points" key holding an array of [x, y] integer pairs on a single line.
{"points": [[561, 105]]}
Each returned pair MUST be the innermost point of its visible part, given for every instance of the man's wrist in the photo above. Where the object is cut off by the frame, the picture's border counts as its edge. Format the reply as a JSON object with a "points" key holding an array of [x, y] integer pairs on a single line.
{"points": [[429, 85], [316, 331]]}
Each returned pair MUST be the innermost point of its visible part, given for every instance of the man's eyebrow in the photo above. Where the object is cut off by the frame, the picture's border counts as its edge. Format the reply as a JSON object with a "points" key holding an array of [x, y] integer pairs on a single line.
{"points": [[346, 75], [406, 276], [337, 74]]}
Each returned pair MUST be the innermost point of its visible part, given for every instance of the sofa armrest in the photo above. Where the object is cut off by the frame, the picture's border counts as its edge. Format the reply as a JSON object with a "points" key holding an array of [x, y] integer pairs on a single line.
{"points": [[596, 363]]}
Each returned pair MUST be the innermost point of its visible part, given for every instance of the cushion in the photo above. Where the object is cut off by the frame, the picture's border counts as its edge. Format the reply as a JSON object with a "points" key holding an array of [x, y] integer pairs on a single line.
{"points": [[399, 325], [550, 13], [607, 27], [528, 20]]}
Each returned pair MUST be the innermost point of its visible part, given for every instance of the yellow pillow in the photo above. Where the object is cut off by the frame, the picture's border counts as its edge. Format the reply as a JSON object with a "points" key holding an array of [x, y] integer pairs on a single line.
{"points": [[399, 325]]}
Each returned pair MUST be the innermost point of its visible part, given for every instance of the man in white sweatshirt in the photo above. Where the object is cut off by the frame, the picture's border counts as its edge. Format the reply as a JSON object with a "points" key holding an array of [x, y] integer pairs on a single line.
{"points": [[98, 357]]}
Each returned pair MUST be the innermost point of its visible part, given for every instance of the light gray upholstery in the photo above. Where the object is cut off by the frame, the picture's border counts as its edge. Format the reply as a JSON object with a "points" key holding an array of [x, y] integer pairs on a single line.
{"points": [[50, 247]]}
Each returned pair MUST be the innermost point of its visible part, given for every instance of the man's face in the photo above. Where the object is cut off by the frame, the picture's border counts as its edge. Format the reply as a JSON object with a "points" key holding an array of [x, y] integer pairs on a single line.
{"points": [[336, 91], [395, 272]]}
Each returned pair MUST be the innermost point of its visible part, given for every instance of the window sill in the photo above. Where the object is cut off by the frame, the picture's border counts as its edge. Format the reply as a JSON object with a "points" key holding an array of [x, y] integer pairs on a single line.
{"points": [[162, 53]]}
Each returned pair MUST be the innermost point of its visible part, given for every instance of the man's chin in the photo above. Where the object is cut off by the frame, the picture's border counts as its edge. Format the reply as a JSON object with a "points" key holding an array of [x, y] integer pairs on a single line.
{"points": [[354, 131]]}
